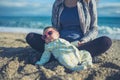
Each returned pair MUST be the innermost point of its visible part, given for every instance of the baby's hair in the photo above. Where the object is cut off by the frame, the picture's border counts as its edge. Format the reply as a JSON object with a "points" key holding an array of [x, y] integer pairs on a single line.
{"points": [[50, 27]]}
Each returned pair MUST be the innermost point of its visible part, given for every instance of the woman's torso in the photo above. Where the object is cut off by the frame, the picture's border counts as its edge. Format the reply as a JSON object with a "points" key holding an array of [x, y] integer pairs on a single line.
{"points": [[69, 21], [87, 16]]}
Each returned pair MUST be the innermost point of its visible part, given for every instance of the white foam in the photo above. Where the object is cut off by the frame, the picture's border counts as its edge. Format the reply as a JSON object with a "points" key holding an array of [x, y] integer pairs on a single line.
{"points": [[113, 33], [109, 30], [20, 30]]}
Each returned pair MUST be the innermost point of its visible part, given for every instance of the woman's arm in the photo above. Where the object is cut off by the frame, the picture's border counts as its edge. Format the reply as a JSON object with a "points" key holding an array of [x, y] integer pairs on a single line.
{"points": [[55, 12], [93, 30], [54, 15]]}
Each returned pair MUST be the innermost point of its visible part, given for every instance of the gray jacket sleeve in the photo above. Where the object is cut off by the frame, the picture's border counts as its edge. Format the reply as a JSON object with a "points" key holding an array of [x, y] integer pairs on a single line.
{"points": [[54, 15], [93, 30], [54, 18]]}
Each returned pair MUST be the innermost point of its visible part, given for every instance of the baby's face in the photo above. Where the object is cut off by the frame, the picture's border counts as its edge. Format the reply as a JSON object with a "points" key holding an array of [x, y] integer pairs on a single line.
{"points": [[50, 35]]}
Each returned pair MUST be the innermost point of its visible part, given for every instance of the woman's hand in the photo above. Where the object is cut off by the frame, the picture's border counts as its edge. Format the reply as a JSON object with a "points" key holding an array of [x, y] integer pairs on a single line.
{"points": [[80, 43], [77, 43]]}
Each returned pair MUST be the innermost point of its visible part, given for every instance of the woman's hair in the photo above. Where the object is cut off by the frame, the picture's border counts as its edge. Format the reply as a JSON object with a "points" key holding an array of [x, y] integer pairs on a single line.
{"points": [[87, 1], [50, 27]]}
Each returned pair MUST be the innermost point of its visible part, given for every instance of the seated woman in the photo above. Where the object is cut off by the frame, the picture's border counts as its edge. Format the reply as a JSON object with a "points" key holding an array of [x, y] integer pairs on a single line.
{"points": [[76, 21]]}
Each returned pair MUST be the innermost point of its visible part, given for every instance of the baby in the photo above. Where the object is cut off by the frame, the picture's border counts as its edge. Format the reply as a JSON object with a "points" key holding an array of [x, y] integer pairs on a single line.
{"points": [[66, 53]]}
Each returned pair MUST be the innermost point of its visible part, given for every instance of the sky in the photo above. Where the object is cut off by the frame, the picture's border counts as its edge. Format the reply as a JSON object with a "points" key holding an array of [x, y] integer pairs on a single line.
{"points": [[44, 7]]}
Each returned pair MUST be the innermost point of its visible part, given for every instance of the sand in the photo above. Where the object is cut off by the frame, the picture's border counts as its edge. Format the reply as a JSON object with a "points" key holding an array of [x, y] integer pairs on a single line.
{"points": [[16, 63]]}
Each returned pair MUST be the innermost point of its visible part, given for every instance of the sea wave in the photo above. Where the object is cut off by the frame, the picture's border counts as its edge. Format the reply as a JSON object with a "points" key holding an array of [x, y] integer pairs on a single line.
{"points": [[20, 30], [109, 30], [112, 32], [24, 24]]}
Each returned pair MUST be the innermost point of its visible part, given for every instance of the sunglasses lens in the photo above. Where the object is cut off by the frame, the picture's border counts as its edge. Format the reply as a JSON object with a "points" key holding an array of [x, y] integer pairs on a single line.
{"points": [[45, 36], [50, 33]]}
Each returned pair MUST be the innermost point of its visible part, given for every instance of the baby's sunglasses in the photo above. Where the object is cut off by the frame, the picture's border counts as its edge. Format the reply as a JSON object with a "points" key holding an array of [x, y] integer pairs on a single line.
{"points": [[45, 35]]}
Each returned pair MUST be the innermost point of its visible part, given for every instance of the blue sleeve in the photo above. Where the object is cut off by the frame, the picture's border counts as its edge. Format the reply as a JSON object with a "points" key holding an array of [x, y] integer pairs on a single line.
{"points": [[44, 58]]}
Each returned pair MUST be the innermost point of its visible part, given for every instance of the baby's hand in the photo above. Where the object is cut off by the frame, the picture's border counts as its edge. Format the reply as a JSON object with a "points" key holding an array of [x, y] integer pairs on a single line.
{"points": [[37, 63]]}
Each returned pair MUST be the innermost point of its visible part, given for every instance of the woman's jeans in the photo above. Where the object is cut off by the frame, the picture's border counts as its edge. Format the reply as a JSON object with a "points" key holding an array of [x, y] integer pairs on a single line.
{"points": [[95, 47]]}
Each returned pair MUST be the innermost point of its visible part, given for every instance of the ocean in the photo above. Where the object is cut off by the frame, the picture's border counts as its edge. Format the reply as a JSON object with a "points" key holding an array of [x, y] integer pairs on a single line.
{"points": [[108, 26]]}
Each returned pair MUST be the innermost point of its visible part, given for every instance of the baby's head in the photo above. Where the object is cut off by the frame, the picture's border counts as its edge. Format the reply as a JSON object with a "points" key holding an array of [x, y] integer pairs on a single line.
{"points": [[50, 34]]}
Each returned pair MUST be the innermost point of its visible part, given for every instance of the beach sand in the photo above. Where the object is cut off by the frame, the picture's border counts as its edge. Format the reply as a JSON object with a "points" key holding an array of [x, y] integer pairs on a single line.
{"points": [[16, 63]]}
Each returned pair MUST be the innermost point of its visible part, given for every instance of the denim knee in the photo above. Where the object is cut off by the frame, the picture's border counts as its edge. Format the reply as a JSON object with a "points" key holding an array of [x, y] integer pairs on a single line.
{"points": [[106, 41]]}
